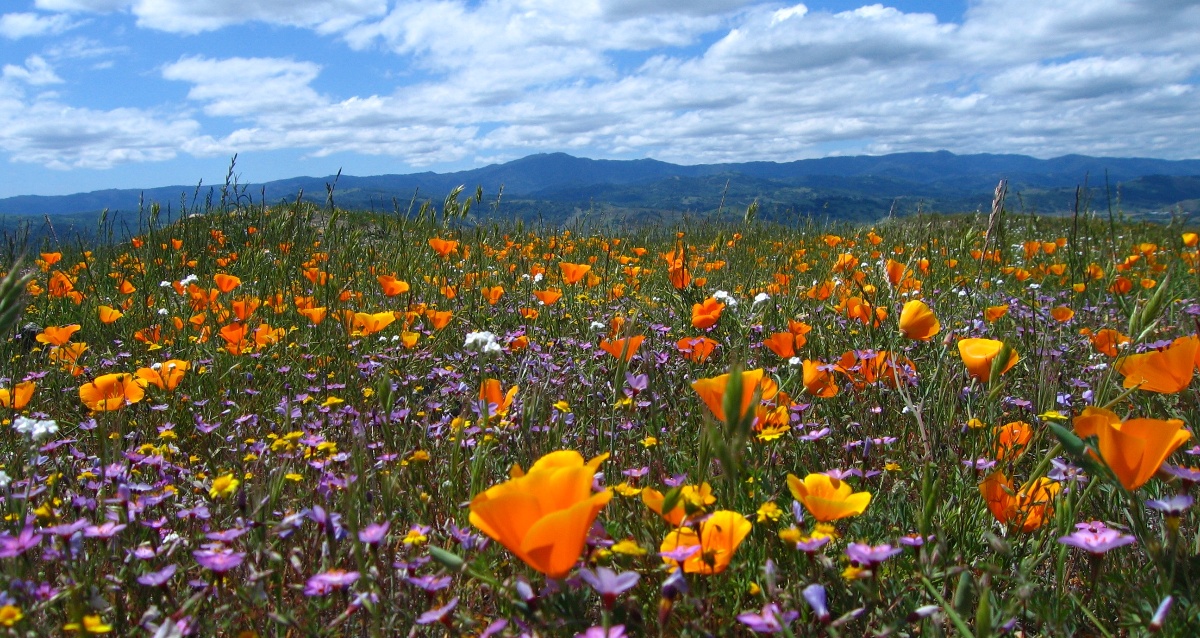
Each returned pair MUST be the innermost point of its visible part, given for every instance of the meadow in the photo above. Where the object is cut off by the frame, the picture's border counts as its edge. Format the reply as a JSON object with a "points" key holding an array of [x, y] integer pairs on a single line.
{"points": [[298, 421]]}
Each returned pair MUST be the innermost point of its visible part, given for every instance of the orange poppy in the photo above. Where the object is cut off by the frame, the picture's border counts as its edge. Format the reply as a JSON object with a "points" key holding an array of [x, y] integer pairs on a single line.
{"points": [[1167, 371], [365, 323], [498, 401], [225, 282], [440, 318], [1011, 439], [392, 286], [783, 344], [314, 315], [108, 314], [622, 348], [993, 313], [712, 391], [1027, 509], [696, 349], [443, 247], [1135, 449], [112, 391], [918, 322], [572, 273], [719, 537], [1062, 314], [706, 314], [492, 294], [543, 516], [819, 382], [827, 498], [1107, 341], [57, 335], [978, 354], [548, 297], [165, 376], [693, 500], [18, 397]]}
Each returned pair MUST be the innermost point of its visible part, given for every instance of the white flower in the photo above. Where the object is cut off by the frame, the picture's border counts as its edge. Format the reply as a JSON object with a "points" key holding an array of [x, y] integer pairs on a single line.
{"points": [[725, 298], [164, 284], [164, 312], [189, 279], [1034, 286], [794, 361], [5, 479], [537, 278], [484, 342], [36, 429], [597, 327], [761, 297]]}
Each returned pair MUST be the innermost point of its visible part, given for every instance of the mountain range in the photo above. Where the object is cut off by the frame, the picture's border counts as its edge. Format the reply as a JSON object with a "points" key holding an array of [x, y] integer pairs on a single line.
{"points": [[558, 188]]}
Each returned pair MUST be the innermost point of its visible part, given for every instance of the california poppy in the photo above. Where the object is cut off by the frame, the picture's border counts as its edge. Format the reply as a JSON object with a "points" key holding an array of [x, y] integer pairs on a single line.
{"points": [[706, 314], [1027, 509], [1011, 439], [918, 322], [572, 273], [1166, 371], [108, 314], [622, 348], [112, 391], [57, 335], [719, 537], [712, 391], [693, 499], [827, 498], [225, 282], [696, 349], [783, 344], [392, 286], [498, 401], [1135, 449], [819, 380], [978, 354], [443, 247], [543, 516], [1107, 341], [367, 323], [18, 397], [548, 297], [1062, 314], [166, 375], [993, 313]]}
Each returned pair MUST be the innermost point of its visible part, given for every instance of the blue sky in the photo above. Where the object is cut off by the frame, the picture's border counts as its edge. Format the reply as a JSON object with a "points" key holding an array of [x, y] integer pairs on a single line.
{"points": [[140, 93]]}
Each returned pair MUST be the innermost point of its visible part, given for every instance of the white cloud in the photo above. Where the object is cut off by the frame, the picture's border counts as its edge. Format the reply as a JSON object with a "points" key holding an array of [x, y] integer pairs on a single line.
{"points": [[15, 26], [279, 86], [197, 16], [36, 72]]}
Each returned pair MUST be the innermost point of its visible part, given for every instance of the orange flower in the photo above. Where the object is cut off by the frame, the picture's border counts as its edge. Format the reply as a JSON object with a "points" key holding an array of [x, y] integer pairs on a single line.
{"points": [[712, 391], [1166, 371], [1135, 449], [706, 314], [543, 516], [443, 247], [392, 286], [498, 401], [1027, 509], [225, 282], [625, 348], [572, 273], [57, 335], [719, 537], [314, 315], [492, 294], [234, 335], [165, 376], [108, 314], [977, 355], [547, 297], [1062, 314], [1011, 439], [783, 344], [826, 498], [817, 381], [18, 397], [993, 313], [365, 323], [1191, 239], [112, 391], [440, 318], [696, 349], [693, 500], [1107, 341], [918, 322]]}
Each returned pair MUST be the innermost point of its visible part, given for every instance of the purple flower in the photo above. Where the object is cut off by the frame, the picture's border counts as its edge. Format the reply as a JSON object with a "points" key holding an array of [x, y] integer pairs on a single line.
{"points": [[11, 546], [104, 531], [864, 555], [429, 583], [681, 553], [769, 621], [438, 614], [326, 582], [811, 545], [374, 533], [218, 561], [158, 578], [1185, 474], [1174, 505], [1095, 537], [608, 583], [915, 540], [616, 631], [814, 595]]}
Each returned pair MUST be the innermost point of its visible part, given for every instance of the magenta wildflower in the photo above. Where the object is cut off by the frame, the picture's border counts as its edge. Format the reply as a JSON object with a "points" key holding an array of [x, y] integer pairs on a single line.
{"points": [[158, 578], [863, 555], [218, 561], [11, 546], [438, 614], [327, 582], [105, 530], [814, 595], [608, 583], [770, 621], [374, 533], [616, 631], [1095, 537]]}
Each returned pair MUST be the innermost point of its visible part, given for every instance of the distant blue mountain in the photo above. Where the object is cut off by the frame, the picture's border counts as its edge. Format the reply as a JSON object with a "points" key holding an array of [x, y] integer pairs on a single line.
{"points": [[942, 180]]}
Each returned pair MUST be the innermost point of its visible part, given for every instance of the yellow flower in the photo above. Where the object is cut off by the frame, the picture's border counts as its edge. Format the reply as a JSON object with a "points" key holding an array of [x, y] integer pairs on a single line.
{"points": [[791, 535], [91, 624], [292, 476], [826, 498], [769, 511], [625, 489], [562, 406], [415, 537], [9, 615], [223, 486], [649, 442], [720, 535], [628, 547]]}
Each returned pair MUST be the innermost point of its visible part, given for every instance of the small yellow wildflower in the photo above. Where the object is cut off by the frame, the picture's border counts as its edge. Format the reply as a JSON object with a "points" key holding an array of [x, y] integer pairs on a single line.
{"points": [[223, 486], [562, 406], [892, 466], [854, 573], [625, 489], [791, 535], [415, 537], [332, 401], [975, 424], [91, 624], [292, 476], [419, 455], [649, 442], [754, 589], [9, 615], [769, 511], [627, 547]]}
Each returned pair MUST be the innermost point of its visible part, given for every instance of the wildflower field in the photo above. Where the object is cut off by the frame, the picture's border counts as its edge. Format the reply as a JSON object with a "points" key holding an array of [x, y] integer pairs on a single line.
{"points": [[297, 421]]}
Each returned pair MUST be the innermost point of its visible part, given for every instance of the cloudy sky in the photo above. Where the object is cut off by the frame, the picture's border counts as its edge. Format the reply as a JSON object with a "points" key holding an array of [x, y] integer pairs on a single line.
{"points": [[140, 93]]}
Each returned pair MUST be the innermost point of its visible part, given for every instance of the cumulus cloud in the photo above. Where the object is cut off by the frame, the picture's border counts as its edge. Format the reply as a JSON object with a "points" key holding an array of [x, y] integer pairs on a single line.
{"points": [[15, 26], [686, 81]]}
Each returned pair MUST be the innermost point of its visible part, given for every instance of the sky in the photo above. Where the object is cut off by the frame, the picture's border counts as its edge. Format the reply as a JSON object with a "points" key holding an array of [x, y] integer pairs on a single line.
{"points": [[140, 93]]}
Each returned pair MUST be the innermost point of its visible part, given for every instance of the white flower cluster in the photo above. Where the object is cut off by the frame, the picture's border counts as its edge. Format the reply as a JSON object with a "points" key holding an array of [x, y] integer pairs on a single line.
{"points": [[34, 428], [5, 479], [482, 342], [725, 298], [760, 298]]}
